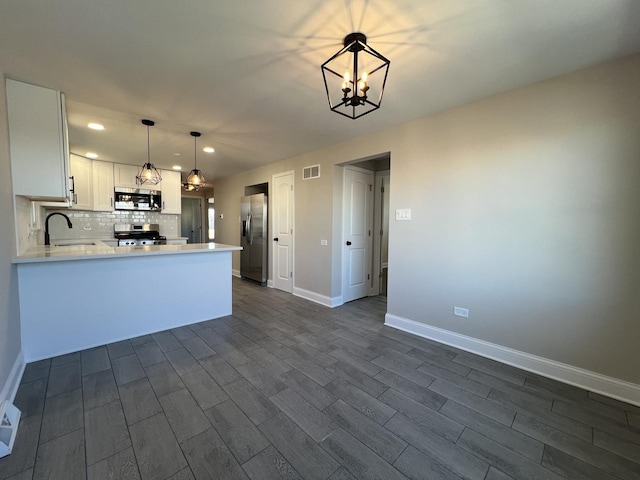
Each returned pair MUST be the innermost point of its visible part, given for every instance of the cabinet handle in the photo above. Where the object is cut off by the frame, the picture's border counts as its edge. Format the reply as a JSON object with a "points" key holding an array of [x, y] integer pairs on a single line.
{"points": [[163, 204], [111, 202], [73, 184], [348, 242]]}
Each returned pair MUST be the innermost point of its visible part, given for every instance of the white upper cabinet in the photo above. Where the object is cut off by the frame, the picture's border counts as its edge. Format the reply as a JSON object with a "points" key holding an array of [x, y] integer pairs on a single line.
{"points": [[81, 169], [171, 192], [39, 142], [125, 176], [103, 186]]}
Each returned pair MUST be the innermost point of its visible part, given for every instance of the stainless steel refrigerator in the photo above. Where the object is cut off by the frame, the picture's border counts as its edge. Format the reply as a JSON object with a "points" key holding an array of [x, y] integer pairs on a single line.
{"points": [[253, 236]]}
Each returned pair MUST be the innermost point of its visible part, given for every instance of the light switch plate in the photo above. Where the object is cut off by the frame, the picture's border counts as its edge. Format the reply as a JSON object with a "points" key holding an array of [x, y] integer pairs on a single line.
{"points": [[403, 214]]}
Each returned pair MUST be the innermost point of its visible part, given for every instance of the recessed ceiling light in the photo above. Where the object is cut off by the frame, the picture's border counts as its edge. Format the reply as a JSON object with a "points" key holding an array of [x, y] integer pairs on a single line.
{"points": [[95, 126], [91, 155], [176, 154], [177, 167], [208, 149]]}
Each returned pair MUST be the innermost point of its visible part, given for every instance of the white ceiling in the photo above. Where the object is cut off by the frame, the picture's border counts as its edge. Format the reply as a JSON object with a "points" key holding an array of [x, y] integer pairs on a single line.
{"points": [[247, 73]]}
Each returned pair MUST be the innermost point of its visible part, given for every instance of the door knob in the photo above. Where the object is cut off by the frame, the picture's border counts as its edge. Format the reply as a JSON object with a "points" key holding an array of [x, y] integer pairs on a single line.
{"points": [[348, 242], [275, 239]]}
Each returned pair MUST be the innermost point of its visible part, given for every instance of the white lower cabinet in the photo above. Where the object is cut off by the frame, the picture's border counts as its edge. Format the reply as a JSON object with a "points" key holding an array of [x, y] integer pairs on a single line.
{"points": [[103, 186], [171, 192]]}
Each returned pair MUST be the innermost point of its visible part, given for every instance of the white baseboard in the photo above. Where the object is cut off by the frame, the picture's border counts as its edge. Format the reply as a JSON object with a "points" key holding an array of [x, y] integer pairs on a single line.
{"points": [[235, 273], [592, 381], [10, 388], [337, 301], [317, 298]]}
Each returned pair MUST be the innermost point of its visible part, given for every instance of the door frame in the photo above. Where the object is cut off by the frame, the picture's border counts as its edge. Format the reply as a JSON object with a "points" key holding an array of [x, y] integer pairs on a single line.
{"points": [[271, 281], [378, 211]]}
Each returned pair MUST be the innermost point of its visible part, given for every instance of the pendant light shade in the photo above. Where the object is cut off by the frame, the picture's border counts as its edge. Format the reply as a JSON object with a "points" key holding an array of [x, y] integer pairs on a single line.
{"points": [[148, 173], [195, 179], [355, 77]]}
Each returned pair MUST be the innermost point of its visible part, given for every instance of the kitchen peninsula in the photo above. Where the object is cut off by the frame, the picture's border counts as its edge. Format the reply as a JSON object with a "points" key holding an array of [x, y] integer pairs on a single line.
{"points": [[78, 297]]}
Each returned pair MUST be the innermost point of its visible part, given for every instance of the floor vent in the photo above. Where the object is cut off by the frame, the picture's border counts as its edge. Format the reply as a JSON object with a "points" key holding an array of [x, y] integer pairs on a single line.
{"points": [[9, 419], [311, 172]]}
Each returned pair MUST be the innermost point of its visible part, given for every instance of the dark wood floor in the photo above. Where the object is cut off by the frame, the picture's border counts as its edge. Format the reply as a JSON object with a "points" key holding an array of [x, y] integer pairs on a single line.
{"points": [[289, 389]]}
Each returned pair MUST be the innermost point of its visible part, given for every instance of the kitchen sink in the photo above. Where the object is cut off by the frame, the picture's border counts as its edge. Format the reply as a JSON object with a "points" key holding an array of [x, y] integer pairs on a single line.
{"points": [[74, 244]]}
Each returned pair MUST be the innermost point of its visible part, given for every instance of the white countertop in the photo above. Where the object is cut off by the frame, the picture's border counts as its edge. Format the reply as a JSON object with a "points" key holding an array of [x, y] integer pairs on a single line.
{"points": [[102, 251]]}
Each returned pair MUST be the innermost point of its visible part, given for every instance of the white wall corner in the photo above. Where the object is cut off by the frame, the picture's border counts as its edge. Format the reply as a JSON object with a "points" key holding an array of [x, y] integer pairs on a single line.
{"points": [[317, 298], [10, 388], [592, 381]]}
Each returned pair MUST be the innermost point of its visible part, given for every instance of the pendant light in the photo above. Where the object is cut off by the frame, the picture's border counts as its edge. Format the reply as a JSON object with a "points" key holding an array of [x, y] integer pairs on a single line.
{"points": [[195, 180], [355, 77], [148, 173]]}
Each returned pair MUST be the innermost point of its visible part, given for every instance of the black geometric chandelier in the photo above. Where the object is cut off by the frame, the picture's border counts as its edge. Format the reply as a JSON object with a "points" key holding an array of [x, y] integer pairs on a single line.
{"points": [[355, 77], [148, 173], [195, 180]]}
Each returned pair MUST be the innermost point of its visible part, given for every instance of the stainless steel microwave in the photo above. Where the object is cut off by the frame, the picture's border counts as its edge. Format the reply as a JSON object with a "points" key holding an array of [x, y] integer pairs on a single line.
{"points": [[137, 199]]}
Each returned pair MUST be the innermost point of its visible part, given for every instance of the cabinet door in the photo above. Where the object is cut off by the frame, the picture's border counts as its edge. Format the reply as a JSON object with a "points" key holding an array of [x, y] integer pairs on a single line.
{"points": [[102, 186], [81, 182], [125, 175], [38, 140], [171, 193]]}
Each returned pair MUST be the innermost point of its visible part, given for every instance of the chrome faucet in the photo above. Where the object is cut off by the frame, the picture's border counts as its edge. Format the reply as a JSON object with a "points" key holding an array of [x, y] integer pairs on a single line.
{"points": [[47, 240]]}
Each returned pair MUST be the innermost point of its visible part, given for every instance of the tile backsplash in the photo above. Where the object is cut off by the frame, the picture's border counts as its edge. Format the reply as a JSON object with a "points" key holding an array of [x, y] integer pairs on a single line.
{"points": [[99, 225]]}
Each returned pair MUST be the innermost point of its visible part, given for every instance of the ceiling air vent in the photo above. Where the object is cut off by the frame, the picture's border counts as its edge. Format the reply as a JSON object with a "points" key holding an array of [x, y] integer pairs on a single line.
{"points": [[311, 172]]}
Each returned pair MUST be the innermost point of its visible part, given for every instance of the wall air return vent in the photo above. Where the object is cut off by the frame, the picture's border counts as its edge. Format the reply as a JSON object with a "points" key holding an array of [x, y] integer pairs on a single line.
{"points": [[311, 172]]}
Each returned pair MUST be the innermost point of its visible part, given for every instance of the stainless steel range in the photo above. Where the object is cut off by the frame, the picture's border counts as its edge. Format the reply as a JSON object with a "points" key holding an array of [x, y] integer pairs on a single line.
{"points": [[133, 235]]}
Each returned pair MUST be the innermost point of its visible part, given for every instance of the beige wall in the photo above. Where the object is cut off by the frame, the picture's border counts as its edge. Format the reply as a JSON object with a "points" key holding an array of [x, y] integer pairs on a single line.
{"points": [[10, 343], [526, 211], [313, 219], [528, 217]]}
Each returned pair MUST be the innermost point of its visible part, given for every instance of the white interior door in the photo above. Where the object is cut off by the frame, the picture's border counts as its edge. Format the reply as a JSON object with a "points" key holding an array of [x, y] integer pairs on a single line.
{"points": [[357, 240], [283, 231]]}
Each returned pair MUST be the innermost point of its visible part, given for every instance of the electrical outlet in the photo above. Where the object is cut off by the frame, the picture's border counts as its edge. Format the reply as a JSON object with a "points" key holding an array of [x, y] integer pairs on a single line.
{"points": [[461, 312], [323, 243]]}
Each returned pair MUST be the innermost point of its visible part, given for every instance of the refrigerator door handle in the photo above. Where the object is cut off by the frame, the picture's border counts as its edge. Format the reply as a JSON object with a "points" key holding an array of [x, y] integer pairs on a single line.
{"points": [[250, 228]]}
